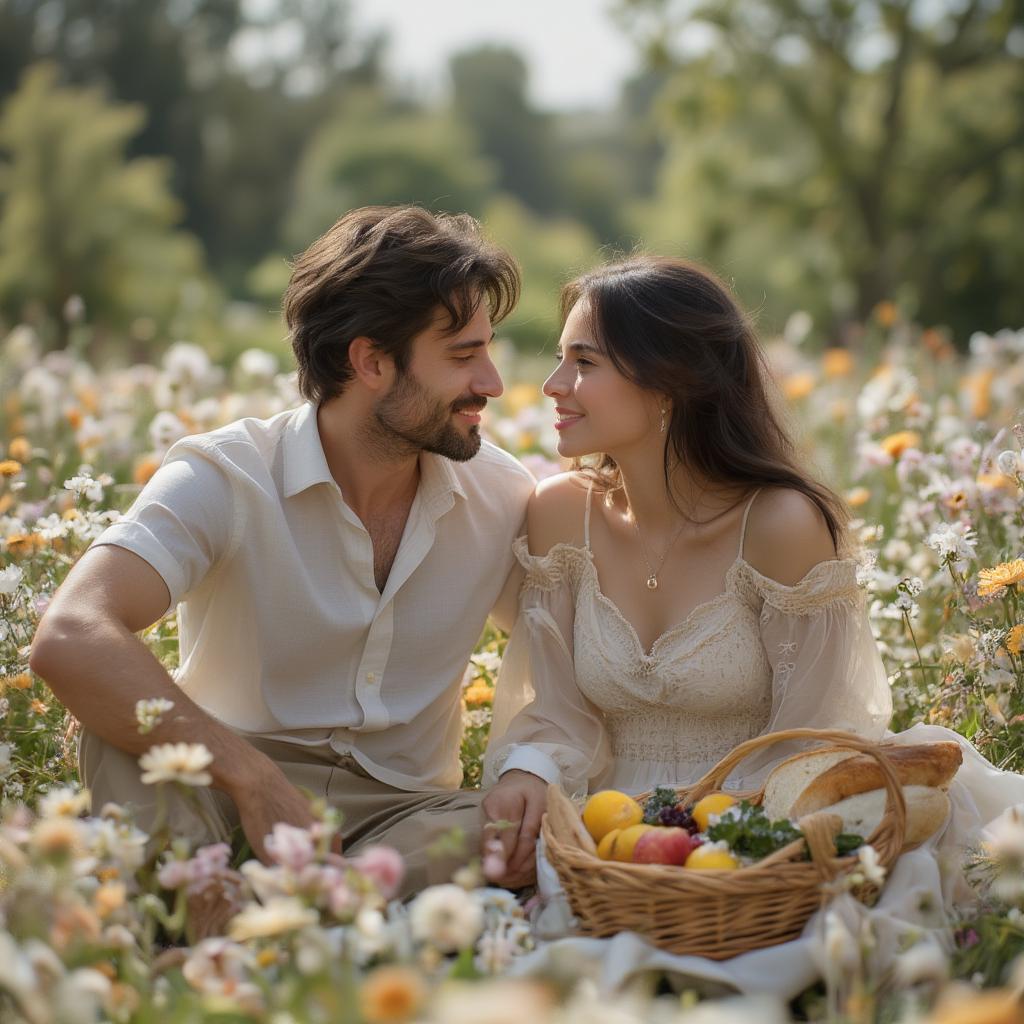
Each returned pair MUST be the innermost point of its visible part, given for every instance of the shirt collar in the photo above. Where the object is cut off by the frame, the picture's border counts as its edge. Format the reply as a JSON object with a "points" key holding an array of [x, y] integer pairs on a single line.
{"points": [[305, 463]]}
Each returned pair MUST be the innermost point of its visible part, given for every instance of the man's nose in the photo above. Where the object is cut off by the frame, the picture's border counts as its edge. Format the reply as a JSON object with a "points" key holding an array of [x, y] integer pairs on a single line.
{"points": [[489, 380]]}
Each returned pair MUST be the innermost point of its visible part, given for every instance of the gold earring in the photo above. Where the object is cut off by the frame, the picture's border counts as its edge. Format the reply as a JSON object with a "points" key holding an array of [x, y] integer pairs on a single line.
{"points": [[663, 412]]}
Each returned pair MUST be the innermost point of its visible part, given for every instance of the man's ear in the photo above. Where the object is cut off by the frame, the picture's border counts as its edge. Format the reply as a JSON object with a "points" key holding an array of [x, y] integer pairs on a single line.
{"points": [[372, 367]]}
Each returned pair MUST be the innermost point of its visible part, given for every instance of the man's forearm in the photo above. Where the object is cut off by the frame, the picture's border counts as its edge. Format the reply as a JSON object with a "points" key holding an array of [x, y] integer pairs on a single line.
{"points": [[99, 670]]}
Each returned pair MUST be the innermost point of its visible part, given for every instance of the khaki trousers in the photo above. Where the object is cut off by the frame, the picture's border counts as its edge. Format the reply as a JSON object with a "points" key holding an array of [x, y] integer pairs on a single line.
{"points": [[372, 812]]}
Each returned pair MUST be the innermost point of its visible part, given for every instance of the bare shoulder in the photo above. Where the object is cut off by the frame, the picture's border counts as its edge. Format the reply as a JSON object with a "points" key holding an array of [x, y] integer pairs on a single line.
{"points": [[787, 535], [555, 512]]}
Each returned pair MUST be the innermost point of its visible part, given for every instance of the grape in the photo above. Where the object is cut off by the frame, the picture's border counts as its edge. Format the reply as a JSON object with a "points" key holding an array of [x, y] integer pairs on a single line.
{"points": [[678, 817]]}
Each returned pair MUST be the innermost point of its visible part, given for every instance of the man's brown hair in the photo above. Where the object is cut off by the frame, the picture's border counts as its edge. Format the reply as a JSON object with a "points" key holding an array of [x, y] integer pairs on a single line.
{"points": [[385, 272]]}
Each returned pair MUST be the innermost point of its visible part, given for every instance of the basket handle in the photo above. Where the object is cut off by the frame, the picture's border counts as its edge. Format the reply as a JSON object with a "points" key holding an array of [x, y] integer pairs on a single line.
{"points": [[566, 819], [887, 838]]}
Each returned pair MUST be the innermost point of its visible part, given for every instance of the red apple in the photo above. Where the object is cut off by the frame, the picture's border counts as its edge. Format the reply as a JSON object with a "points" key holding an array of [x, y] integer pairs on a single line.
{"points": [[663, 846]]}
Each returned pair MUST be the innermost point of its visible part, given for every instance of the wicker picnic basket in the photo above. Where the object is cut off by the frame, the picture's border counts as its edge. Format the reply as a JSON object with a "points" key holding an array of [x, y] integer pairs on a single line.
{"points": [[718, 914]]}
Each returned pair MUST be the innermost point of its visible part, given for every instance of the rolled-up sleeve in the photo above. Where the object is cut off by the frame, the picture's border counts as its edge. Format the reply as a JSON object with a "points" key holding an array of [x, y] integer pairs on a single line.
{"points": [[183, 522]]}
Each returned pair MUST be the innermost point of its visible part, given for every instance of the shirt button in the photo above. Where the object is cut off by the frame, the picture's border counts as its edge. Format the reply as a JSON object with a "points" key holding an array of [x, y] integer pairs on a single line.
{"points": [[371, 677]]}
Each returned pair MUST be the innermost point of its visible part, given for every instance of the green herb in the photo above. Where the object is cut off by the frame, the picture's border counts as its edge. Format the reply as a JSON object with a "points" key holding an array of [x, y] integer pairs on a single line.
{"points": [[663, 796], [749, 833]]}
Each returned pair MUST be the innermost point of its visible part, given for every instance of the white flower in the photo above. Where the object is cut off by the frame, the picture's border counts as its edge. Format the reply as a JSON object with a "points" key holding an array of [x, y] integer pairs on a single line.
{"points": [[165, 429], [177, 762], [873, 871], [185, 363], [447, 917], [1004, 837], [149, 713], [279, 915], [10, 579], [257, 364], [922, 962], [91, 488], [840, 946], [1008, 463], [953, 540], [64, 802]]}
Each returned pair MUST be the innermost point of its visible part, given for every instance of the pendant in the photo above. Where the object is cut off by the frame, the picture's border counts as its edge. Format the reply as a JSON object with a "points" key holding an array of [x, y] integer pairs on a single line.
{"points": [[652, 582]]}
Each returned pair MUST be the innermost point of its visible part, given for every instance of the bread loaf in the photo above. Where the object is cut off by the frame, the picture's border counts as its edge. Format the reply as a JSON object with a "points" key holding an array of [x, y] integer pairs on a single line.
{"points": [[808, 782], [923, 764], [927, 809]]}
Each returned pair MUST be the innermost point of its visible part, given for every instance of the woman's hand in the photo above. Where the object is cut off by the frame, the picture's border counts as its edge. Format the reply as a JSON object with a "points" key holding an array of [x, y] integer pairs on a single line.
{"points": [[512, 810]]}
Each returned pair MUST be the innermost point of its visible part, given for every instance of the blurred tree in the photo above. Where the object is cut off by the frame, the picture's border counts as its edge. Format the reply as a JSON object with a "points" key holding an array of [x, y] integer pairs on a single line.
{"points": [[231, 93], [490, 84], [837, 154], [375, 150], [78, 219]]}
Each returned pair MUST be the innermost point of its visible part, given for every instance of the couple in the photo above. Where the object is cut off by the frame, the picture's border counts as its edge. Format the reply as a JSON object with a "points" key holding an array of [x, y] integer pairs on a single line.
{"points": [[334, 565]]}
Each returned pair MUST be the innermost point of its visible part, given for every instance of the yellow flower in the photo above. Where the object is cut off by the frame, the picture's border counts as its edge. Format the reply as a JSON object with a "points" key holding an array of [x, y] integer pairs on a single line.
{"points": [[39, 707], [1003, 575], [23, 543], [978, 387], [521, 396], [22, 681], [857, 497], [896, 444], [1014, 641], [997, 482], [391, 995], [109, 897], [144, 469], [886, 313], [479, 693], [74, 416], [836, 362], [19, 449], [957, 500], [10, 467], [798, 385]]}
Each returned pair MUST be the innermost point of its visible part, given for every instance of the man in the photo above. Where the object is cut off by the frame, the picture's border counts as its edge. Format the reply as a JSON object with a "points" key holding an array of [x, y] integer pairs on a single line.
{"points": [[333, 566]]}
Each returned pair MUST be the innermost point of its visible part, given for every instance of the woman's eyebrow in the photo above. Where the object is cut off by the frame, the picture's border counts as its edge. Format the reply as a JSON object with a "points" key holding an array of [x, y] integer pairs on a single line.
{"points": [[583, 346]]}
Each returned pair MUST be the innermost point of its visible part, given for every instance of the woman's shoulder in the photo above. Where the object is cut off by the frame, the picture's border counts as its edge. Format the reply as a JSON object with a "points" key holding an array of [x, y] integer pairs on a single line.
{"points": [[556, 512], [787, 536]]}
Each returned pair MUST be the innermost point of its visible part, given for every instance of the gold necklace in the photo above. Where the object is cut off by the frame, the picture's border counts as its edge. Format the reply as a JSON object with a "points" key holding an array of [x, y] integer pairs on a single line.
{"points": [[652, 574]]}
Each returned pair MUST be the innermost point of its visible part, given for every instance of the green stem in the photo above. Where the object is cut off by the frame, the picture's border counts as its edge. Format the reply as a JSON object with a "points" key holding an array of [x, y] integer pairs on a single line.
{"points": [[920, 660]]}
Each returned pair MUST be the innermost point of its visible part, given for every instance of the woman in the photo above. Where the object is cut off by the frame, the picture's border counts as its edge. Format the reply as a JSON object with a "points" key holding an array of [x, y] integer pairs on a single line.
{"points": [[692, 587]]}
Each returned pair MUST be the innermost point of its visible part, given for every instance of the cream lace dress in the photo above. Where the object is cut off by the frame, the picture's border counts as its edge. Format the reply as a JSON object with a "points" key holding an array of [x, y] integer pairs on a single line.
{"points": [[580, 703]]}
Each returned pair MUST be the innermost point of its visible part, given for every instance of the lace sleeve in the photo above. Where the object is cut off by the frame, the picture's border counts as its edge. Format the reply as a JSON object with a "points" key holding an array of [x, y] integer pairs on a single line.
{"points": [[542, 723], [827, 672]]}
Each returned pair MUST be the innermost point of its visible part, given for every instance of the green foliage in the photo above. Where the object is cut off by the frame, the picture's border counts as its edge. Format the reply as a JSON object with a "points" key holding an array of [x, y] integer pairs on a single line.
{"points": [[749, 833], [663, 796], [77, 218]]}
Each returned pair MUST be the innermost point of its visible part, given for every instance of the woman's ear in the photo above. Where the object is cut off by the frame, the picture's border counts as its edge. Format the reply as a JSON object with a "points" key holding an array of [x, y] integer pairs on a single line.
{"points": [[372, 368]]}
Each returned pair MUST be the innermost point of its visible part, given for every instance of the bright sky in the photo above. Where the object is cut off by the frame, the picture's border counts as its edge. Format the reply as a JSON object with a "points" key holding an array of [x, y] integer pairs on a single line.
{"points": [[576, 53]]}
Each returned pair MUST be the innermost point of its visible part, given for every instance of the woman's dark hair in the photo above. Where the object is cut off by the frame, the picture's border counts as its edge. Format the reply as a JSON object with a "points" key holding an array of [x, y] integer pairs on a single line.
{"points": [[672, 327], [384, 272]]}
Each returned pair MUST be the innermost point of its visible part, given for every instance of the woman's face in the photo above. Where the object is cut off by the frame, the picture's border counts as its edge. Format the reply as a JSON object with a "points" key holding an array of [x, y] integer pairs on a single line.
{"points": [[596, 408]]}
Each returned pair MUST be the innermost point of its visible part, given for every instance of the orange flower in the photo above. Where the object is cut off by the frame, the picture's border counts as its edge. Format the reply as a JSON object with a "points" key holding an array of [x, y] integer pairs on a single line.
{"points": [[836, 362], [10, 467], [477, 694], [39, 707], [74, 416], [391, 995], [997, 482], [886, 313], [857, 497], [144, 469], [956, 501], [896, 444], [798, 385], [1014, 641], [19, 449], [978, 387], [1006, 574], [18, 544], [22, 681]]}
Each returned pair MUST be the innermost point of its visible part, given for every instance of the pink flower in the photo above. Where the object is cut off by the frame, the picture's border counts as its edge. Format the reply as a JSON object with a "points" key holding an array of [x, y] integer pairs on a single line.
{"points": [[174, 874], [290, 847], [383, 866]]}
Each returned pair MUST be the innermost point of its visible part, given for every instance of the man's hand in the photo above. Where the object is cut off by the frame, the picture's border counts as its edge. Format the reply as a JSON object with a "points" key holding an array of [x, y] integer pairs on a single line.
{"points": [[521, 798], [265, 802]]}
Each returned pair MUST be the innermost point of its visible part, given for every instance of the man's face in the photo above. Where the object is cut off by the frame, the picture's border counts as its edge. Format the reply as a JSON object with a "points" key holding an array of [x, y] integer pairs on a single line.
{"points": [[435, 404]]}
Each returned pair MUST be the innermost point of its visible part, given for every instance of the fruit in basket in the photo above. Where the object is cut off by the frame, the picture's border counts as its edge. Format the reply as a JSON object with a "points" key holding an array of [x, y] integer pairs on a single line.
{"points": [[605, 847], [608, 810], [678, 816], [713, 803], [626, 840], [712, 857], [663, 846]]}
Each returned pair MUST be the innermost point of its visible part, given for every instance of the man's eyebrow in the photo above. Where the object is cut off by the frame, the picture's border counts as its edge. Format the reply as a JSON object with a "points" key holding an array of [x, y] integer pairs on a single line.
{"points": [[458, 346]]}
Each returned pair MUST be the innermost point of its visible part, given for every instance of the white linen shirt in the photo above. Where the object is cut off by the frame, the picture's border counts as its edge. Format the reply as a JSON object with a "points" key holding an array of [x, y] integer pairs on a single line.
{"points": [[282, 631]]}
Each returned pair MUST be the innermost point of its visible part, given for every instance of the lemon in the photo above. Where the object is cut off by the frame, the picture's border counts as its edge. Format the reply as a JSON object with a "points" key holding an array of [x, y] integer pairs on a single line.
{"points": [[625, 842], [713, 803], [610, 809], [605, 847], [710, 858]]}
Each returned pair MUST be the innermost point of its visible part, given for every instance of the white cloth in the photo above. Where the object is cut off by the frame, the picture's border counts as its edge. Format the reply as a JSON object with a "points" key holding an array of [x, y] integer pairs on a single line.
{"points": [[282, 630], [579, 703]]}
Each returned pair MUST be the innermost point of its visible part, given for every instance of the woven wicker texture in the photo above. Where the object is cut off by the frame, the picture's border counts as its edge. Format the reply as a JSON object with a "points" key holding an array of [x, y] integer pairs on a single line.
{"points": [[718, 914]]}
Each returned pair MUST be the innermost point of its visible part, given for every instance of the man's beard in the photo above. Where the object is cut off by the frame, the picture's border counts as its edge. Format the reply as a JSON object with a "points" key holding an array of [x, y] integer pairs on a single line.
{"points": [[414, 420]]}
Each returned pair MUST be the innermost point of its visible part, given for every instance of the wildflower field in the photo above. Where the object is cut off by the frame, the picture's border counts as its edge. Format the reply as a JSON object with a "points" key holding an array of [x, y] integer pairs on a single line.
{"points": [[924, 441]]}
